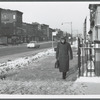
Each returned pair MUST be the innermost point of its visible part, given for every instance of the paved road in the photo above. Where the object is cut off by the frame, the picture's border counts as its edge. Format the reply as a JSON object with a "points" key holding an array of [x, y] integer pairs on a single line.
{"points": [[21, 48]]}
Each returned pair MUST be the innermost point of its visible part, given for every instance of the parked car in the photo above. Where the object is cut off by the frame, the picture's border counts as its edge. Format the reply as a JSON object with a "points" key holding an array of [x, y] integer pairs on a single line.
{"points": [[33, 44]]}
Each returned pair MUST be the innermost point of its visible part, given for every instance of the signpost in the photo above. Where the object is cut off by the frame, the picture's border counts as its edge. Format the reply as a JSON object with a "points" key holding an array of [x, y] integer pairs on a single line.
{"points": [[53, 34]]}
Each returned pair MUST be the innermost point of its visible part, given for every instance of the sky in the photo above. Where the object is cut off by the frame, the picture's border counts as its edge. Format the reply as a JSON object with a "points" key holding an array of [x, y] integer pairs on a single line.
{"points": [[52, 13]]}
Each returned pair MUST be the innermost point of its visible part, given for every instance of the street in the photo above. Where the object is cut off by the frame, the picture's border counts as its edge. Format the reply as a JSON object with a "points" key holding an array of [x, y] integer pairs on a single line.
{"points": [[13, 52], [22, 48]]}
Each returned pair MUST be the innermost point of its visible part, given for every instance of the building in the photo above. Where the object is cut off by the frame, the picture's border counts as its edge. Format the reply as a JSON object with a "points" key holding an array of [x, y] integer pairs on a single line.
{"points": [[11, 25], [94, 22], [38, 31], [86, 29], [95, 35], [36, 26], [28, 32], [32, 32], [14, 30], [45, 30]]}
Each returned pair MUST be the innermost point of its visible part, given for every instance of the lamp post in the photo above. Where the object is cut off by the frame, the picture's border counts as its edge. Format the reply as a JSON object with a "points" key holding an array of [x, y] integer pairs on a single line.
{"points": [[71, 30]]}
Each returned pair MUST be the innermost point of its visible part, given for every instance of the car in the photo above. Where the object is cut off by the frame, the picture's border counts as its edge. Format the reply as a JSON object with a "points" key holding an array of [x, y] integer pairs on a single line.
{"points": [[33, 44]]}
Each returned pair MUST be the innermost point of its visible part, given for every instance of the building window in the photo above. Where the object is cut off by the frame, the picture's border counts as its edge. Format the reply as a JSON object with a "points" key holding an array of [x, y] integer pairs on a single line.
{"points": [[4, 16], [14, 17]]}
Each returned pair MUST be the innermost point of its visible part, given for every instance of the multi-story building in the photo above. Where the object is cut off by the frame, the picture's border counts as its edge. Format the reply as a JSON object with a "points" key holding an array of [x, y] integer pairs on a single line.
{"points": [[36, 26], [95, 35], [28, 32], [13, 30], [38, 31], [32, 32], [94, 22], [45, 30], [11, 24], [86, 29]]}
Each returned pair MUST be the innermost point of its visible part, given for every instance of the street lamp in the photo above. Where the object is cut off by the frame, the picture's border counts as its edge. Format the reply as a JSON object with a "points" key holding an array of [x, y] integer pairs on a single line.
{"points": [[71, 30]]}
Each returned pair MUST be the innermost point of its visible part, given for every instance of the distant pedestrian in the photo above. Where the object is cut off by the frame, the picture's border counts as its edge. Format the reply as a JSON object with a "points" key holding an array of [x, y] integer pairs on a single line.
{"points": [[63, 54]]}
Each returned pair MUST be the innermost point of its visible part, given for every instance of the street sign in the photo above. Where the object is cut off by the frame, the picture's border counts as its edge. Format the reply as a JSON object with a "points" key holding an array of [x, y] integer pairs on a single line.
{"points": [[54, 33]]}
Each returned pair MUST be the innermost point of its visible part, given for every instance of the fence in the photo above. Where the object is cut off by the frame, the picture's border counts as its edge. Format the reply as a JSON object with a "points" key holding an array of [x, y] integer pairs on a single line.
{"points": [[86, 59]]}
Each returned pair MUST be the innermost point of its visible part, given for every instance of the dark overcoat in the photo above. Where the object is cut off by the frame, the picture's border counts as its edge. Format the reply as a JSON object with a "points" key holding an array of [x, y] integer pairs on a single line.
{"points": [[64, 53]]}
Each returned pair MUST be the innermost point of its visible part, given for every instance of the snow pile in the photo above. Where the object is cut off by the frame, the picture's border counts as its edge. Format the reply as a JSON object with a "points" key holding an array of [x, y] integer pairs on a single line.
{"points": [[88, 80], [22, 62]]}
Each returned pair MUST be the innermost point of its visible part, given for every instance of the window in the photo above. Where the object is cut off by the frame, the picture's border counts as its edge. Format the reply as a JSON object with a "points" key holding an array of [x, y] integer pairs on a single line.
{"points": [[4, 16], [14, 16]]}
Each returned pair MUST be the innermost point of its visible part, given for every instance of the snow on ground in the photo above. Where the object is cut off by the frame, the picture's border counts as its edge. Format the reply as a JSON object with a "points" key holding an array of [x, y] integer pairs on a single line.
{"points": [[87, 85], [89, 79], [24, 61]]}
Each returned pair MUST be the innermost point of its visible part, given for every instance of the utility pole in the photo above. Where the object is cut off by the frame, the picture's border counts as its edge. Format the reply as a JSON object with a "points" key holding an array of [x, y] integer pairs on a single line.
{"points": [[71, 35]]}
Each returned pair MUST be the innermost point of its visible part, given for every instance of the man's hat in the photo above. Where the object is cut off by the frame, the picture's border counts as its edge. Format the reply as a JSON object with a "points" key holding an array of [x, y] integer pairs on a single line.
{"points": [[63, 37]]}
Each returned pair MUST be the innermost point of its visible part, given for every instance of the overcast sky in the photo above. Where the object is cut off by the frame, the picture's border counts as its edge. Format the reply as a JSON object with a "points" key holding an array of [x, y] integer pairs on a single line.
{"points": [[52, 13]]}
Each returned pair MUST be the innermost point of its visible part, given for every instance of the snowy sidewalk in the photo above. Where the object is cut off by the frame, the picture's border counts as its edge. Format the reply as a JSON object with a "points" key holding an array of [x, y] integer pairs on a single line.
{"points": [[89, 82], [89, 85], [39, 77]]}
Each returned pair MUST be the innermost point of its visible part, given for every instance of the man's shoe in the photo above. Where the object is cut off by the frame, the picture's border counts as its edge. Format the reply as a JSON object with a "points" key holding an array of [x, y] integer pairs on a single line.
{"points": [[64, 77]]}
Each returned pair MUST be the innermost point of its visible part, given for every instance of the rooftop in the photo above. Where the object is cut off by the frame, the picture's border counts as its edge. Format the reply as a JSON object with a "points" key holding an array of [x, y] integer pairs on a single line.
{"points": [[93, 6], [11, 10]]}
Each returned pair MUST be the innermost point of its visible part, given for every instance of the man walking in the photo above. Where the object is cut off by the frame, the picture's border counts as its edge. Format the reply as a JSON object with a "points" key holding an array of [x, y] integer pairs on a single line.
{"points": [[63, 54]]}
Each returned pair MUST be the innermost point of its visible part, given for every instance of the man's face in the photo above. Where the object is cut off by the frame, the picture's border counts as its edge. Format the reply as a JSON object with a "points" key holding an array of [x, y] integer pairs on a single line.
{"points": [[62, 40]]}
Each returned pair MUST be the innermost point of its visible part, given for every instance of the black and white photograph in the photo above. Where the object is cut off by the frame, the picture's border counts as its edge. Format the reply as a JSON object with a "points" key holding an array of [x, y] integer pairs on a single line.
{"points": [[50, 48]]}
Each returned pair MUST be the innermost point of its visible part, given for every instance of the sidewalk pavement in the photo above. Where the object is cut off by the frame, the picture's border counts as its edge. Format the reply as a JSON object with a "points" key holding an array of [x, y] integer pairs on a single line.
{"points": [[90, 85], [89, 82]]}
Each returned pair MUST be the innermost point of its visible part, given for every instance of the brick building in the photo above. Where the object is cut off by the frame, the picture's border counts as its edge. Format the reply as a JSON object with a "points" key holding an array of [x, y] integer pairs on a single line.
{"points": [[38, 31], [28, 33], [14, 30], [45, 30], [36, 26], [32, 32], [11, 25]]}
